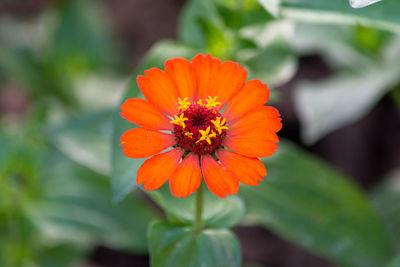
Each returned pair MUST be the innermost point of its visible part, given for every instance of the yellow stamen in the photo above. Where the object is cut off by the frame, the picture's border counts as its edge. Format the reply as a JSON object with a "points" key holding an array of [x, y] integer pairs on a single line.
{"points": [[200, 102], [219, 125], [179, 120], [206, 135], [212, 102], [183, 103], [189, 134]]}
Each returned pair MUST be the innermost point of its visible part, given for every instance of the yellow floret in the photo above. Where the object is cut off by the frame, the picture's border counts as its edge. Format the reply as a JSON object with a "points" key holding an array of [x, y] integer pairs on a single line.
{"points": [[219, 125], [183, 103], [212, 102], [179, 120], [206, 135]]}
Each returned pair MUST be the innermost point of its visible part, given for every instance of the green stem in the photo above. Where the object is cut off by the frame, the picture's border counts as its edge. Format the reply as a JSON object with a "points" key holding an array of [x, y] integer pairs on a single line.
{"points": [[198, 223]]}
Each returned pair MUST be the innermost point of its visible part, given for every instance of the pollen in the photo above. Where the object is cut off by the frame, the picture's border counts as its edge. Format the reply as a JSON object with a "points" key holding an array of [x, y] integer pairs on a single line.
{"points": [[180, 121], [219, 125], [206, 135], [212, 102], [183, 103]]}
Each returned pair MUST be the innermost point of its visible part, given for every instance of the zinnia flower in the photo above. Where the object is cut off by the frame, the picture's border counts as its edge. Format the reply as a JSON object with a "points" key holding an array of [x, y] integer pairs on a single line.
{"points": [[184, 112]]}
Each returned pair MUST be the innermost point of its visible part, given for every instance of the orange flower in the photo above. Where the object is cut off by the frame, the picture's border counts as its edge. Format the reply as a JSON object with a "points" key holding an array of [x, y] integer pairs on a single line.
{"points": [[183, 111]]}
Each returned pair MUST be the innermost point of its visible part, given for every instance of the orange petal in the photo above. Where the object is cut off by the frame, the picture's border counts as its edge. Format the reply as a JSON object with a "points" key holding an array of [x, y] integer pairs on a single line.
{"points": [[265, 119], [184, 76], [219, 180], [145, 114], [158, 169], [159, 88], [253, 94], [254, 144], [247, 170], [228, 81], [187, 177], [206, 68], [143, 143]]}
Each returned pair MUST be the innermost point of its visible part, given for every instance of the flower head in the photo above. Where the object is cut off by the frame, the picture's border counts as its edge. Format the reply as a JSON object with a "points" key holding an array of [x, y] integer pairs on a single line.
{"points": [[183, 112]]}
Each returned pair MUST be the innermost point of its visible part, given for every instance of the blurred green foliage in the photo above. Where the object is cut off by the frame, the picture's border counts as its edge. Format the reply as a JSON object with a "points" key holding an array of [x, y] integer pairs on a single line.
{"points": [[313, 205], [53, 210], [55, 161]]}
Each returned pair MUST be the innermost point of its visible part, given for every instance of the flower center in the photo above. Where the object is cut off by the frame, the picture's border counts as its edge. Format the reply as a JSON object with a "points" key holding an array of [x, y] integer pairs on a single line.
{"points": [[199, 128]]}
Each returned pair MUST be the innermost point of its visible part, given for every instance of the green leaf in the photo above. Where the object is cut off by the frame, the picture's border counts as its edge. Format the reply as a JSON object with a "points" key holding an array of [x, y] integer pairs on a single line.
{"points": [[189, 29], [386, 201], [307, 202], [40, 78], [219, 42], [123, 169], [76, 139], [327, 105], [273, 61], [76, 207], [383, 15], [81, 40], [217, 212], [177, 246]]}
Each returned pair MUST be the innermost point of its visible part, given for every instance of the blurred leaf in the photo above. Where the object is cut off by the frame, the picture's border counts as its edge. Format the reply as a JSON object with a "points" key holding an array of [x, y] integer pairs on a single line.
{"points": [[202, 26], [86, 139], [386, 201], [189, 29], [391, 51], [77, 208], [219, 42], [273, 61], [59, 256], [124, 169], [272, 6], [239, 14], [218, 212], [310, 204], [273, 65], [177, 246], [370, 39], [327, 105], [395, 262], [362, 3], [335, 43], [31, 33], [383, 15], [99, 91], [213, 25], [81, 39], [40, 78], [22, 161], [252, 12]]}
